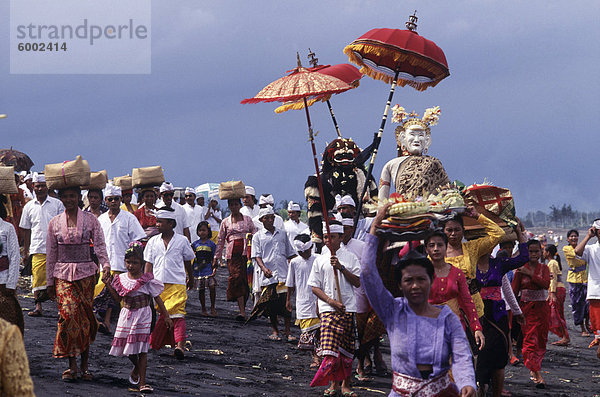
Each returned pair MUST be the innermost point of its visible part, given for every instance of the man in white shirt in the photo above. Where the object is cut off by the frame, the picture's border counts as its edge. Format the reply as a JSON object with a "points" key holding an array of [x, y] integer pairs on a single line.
{"points": [[591, 254], [168, 256], [167, 191], [271, 249], [27, 187], [336, 306], [34, 224], [306, 302], [294, 226], [267, 200], [195, 212], [120, 228], [250, 207]]}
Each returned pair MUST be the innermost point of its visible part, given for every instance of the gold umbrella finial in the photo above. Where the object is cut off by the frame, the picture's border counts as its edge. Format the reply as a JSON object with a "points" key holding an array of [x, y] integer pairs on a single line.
{"points": [[298, 58], [312, 58], [412, 22]]}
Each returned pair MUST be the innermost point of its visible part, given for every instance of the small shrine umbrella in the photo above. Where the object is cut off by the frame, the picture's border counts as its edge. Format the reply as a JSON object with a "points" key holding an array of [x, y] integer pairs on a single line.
{"points": [[303, 84], [399, 57], [17, 159], [342, 71]]}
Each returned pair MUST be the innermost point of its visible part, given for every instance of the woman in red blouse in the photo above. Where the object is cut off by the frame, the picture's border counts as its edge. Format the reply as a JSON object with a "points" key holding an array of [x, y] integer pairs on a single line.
{"points": [[145, 213], [450, 286], [533, 281]]}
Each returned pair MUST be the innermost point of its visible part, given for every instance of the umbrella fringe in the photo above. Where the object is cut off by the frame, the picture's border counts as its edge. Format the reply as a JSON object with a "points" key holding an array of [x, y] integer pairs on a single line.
{"points": [[292, 98], [297, 105], [397, 57]]}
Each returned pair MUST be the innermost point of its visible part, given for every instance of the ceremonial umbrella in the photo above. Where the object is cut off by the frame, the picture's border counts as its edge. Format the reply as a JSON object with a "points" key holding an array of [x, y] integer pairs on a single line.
{"points": [[343, 71], [17, 159], [303, 84], [399, 57]]}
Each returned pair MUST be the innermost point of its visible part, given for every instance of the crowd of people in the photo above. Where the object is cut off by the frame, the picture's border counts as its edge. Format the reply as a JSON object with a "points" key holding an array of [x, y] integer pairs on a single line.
{"points": [[138, 255]]}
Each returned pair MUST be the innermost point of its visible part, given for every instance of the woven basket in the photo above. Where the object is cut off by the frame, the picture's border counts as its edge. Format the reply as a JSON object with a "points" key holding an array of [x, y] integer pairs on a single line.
{"points": [[7, 180], [231, 190], [74, 173], [147, 176], [98, 180], [125, 182]]}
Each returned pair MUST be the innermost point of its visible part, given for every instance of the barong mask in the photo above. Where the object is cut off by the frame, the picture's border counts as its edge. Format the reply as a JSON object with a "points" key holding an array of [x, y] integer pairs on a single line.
{"points": [[413, 135], [340, 153]]}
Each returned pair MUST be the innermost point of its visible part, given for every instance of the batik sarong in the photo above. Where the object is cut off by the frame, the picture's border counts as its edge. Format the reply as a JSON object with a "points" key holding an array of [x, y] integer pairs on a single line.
{"points": [[440, 386], [309, 337], [337, 347], [77, 325], [10, 310]]}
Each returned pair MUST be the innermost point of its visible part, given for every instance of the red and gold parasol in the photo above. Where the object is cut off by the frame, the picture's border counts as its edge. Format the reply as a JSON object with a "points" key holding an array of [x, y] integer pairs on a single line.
{"points": [[343, 71], [301, 84], [399, 57]]}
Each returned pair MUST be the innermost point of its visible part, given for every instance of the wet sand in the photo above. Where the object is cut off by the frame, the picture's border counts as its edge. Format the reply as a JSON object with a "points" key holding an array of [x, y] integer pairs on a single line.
{"points": [[227, 358]]}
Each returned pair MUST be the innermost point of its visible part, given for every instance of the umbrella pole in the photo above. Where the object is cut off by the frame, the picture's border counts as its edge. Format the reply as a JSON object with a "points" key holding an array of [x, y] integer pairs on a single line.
{"points": [[335, 124], [376, 141], [323, 205]]}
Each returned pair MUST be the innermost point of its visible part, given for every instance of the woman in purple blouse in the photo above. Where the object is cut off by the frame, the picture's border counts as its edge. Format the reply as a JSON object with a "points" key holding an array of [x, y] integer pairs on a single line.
{"points": [[425, 340]]}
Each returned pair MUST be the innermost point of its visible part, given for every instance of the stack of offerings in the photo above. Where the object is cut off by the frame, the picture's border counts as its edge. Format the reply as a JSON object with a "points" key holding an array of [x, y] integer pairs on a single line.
{"points": [[495, 203], [98, 180], [147, 177], [74, 173], [125, 182], [231, 190], [7, 180], [413, 220]]}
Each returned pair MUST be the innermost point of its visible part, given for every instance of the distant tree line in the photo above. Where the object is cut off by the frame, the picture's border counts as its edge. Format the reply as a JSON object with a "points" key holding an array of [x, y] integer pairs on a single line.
{"points": [[561, 217]]}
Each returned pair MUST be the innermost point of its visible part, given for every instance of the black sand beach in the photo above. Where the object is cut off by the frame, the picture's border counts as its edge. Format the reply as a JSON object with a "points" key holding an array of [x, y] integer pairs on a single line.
{"points": [[227, 358]]}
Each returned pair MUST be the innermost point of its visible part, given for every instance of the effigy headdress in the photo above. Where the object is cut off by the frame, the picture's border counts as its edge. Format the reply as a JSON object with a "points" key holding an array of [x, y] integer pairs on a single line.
{"points": [[429, 119]]}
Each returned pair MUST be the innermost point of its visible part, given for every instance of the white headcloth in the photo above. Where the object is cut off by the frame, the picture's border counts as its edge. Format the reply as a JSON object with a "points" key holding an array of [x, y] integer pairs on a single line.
{"points": [[301, 247], [250, 190], [38, 178], [268, 199], [333, 228], [166, 187], [268, 210], [293, 206], [112, 191]]}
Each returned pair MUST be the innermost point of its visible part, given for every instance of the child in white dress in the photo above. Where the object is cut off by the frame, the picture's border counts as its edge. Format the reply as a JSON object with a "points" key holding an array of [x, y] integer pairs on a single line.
{"points": [[136, 289]]}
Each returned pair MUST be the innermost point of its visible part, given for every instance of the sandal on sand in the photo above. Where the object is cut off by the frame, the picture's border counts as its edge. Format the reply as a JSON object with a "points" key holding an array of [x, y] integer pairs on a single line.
{"points": [[179, 354], [330, 393], [349, 394], [540, 385], [560, 343], [146, 389], [514, 361], [35, 313], [86, 375], [275, 337], [291, 338], [134, 382], [362, 378], [239, 317], [595, 342], [69, 376]]}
